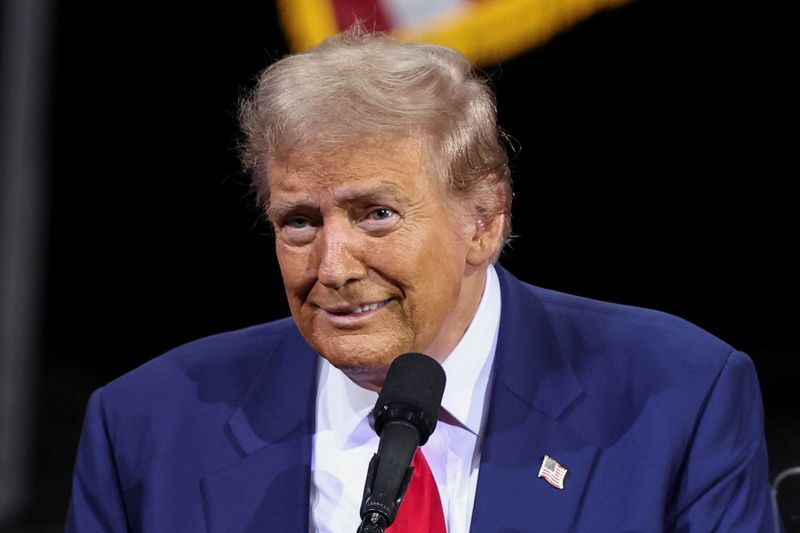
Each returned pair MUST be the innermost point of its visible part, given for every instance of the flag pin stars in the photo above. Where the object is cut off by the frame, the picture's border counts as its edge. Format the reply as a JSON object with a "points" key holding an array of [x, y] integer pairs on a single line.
{"points": [[552, 472]]}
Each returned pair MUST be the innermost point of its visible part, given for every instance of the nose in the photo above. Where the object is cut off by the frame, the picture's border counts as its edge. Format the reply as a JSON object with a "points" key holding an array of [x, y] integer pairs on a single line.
{"points": [[341, 254]]}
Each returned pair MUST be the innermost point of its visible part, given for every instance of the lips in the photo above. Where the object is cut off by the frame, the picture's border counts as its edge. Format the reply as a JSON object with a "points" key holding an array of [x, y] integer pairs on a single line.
{"points": [[350, 310], [368, 307]]}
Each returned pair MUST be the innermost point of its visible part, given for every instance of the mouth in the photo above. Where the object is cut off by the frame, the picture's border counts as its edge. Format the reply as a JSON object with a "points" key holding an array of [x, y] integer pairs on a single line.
{"points": [[354, 311]]}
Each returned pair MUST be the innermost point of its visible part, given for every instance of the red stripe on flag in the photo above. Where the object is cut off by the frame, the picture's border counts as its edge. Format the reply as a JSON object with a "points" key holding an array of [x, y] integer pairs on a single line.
{"points": [[369, 12]]}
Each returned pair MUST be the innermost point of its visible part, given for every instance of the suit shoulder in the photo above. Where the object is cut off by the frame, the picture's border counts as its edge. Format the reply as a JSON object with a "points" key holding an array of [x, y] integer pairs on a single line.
{"points": [[216, 368], [633, 331]]}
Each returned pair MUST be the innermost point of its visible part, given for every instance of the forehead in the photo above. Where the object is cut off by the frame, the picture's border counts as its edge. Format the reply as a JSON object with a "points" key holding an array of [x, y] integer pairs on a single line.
{"points": [[398, 164]]}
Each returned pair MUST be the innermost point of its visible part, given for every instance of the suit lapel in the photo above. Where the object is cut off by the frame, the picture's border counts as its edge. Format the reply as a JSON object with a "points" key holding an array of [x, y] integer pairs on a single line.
{"points": [[533, 387], [268, 490]]}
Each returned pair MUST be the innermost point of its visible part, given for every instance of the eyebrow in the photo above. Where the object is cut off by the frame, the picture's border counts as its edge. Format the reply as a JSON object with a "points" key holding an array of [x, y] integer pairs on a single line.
{"points": [[276, 211], [374, 194], [377, 194]]}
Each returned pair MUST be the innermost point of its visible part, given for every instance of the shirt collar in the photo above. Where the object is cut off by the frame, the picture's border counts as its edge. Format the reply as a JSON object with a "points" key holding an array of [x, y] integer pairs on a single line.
{"points": [[469, 364], [341, 404], [344, 405]]}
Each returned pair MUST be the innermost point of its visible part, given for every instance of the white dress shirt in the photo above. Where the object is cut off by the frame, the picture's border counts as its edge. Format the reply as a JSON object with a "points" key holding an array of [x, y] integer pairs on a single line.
{"points": [[344, 441]]}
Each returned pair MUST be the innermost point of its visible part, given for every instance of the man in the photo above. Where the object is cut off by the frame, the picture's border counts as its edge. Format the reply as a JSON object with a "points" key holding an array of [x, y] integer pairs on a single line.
{"points": [[378, 163]]}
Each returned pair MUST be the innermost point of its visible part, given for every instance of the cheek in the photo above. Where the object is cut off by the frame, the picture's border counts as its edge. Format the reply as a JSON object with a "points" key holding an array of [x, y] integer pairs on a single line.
{"points": [[434, 283], [294, 264], [443, 260]]}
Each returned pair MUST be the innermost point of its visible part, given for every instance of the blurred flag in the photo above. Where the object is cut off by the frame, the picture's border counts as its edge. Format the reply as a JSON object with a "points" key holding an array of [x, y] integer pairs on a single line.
{"points": [[486, 31]]}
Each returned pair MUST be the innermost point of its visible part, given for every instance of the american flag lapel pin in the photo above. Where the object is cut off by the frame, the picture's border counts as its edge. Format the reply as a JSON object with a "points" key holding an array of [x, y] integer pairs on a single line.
{"points": [[553, 472]]}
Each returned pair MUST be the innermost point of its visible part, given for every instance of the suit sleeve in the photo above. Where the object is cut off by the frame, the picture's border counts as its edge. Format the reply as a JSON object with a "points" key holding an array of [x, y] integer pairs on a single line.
{"points": [[96, 503], [723, 486]]}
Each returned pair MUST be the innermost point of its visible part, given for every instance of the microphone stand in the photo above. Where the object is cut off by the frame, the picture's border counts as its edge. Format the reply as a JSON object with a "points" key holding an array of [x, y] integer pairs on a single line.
{"points": [[405, 416], [376, 516], [373, 523]]}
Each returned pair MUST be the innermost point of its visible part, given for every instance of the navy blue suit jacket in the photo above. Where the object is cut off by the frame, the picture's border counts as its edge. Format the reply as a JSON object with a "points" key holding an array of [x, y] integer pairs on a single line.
{"points": [[658, 422]]}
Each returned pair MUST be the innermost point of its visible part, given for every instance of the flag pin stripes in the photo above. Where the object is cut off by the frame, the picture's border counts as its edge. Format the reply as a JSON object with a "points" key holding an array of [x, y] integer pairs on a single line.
{"points": [[552, 472]]}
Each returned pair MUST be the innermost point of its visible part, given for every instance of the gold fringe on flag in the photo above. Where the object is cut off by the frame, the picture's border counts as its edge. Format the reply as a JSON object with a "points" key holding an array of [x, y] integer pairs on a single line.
{"points": [[486, 31]]}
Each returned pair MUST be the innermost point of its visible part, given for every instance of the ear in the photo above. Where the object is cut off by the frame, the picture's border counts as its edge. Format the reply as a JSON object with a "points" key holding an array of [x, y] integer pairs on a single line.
{"points": [[485, 238]]}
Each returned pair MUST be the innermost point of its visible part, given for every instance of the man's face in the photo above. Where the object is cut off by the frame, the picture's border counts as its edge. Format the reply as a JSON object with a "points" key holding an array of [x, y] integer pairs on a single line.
{"points": [[375, 258]]}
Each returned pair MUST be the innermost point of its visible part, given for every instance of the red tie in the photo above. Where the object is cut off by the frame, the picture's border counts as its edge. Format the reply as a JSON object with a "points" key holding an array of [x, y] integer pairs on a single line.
{"points": [[421, 509]]}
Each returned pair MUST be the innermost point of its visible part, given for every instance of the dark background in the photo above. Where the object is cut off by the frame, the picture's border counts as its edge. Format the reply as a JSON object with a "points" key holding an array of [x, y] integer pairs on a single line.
{"points": [[656, 149]]}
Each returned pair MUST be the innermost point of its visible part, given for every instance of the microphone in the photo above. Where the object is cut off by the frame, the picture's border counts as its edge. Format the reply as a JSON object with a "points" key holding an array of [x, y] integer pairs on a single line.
{"points": [[405, 416]]}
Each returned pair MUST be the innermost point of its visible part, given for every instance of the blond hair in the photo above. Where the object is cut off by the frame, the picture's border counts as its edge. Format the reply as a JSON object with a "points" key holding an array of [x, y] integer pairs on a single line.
{"points": [[358, 84]]}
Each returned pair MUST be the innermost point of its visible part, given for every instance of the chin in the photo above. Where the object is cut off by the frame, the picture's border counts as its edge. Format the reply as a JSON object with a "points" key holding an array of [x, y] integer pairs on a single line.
{"points": [[369, 374], [362, 362], [354, 361]]}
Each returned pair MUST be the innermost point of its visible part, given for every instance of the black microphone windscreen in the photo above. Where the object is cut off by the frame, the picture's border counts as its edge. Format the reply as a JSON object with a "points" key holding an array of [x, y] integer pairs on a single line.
{"points": [[414, 379]]}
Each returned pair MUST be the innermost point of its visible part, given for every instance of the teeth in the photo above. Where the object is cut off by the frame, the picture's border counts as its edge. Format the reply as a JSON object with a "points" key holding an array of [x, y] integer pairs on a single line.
{"points": [[367, 307]]}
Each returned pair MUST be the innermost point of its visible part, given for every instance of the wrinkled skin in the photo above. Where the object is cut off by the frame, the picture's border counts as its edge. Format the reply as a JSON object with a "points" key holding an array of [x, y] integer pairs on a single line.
{"points": [[369, 226]]}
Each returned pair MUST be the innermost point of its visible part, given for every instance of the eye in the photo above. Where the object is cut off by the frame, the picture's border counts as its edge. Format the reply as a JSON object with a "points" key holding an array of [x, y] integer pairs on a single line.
{"points": [[381, 213], [379, 220], [297, 223], [296, 230]]}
